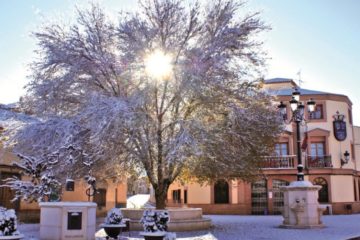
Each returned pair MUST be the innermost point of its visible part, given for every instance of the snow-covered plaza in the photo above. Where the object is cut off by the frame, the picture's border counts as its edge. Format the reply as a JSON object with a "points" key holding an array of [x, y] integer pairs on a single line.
{"points": [[338, 227]]}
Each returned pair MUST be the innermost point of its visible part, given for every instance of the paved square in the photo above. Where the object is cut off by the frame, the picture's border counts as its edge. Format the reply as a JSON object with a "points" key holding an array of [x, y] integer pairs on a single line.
{"points": [[338, 227]]}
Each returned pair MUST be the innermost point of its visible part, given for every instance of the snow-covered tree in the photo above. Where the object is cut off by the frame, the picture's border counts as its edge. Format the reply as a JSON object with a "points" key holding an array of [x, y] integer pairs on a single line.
{"points": [[45, 160], [42, 183], [166, 90]]}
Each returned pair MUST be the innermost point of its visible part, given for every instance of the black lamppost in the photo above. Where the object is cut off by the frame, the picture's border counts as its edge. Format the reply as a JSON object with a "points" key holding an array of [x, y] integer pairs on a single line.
{"points": [[297, 109]]}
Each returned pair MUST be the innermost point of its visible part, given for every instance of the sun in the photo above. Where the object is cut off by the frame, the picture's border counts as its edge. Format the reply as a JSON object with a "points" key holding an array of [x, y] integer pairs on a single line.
{"points": [[158, 65]]}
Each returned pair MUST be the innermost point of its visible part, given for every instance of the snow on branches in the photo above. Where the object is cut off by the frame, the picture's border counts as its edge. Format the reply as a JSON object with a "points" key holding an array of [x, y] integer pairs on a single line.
{"points": [[207, 115], [42, 176], [48, 150]]}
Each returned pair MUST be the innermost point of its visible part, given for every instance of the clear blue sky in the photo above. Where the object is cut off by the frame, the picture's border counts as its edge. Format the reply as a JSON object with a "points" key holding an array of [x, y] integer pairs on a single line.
{"points": [[320, 37]]}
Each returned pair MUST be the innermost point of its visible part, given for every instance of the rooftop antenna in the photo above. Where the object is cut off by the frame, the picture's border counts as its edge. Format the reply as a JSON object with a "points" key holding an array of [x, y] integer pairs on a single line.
{"points": [[299, 77]]}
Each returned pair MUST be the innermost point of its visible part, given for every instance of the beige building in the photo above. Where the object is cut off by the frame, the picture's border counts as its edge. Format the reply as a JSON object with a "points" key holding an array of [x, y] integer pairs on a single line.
{"points": [[322, 154], [110, 192]]}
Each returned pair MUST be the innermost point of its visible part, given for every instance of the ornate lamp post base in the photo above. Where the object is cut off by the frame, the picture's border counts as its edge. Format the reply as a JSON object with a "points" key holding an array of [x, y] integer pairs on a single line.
{"points": [[301, 207]]}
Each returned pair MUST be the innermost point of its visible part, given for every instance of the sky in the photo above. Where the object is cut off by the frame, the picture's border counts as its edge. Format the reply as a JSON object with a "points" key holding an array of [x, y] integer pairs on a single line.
{"points": [[319, 37]]}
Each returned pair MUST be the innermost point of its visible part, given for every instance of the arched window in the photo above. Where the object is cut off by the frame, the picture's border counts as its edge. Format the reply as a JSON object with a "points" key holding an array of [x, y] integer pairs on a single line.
{"points": [[323, 193], [221, 192]]}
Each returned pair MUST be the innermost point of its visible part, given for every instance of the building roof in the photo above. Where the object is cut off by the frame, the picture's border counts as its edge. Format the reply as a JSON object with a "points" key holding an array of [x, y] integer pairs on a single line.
{"points": [[288, 88], [288, 92], [278, 80], [312, 93]]}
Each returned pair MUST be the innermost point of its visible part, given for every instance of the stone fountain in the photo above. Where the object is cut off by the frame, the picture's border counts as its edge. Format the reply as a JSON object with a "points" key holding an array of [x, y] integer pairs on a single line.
{"points": [[301, 206], [181, 219]]}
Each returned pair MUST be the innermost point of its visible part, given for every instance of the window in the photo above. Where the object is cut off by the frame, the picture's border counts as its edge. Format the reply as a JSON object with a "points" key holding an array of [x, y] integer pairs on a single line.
{"points": [[284, 113], [323, 193], [318, 113], [350, 116], [355, 193], [352, 151], [317, 157], [359, 187], [317, 149], [221, 192], [281, 149], [176, 195]]}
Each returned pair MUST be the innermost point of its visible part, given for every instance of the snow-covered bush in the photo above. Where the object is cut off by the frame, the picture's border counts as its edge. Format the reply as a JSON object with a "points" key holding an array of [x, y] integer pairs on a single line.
{"points": [[8, 222], [154, 221], [114, 216]]}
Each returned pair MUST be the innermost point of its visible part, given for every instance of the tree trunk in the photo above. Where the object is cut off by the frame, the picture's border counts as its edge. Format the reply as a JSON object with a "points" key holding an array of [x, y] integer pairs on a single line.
{"points": [[161, 195]]}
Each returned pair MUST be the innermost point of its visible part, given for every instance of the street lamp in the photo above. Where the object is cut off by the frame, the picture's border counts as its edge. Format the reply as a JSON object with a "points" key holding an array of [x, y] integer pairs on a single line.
{"points": [[346, 158], [297, 108]]}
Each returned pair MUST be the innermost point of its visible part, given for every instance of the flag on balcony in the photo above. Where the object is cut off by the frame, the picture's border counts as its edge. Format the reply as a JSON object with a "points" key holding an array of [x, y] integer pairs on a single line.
{"points": [[304, 143]]}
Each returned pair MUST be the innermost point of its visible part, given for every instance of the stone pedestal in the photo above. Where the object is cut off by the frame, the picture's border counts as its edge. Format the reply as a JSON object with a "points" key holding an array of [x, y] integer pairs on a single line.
{"points": [[181, 219], [67, 220], [301, 207]]}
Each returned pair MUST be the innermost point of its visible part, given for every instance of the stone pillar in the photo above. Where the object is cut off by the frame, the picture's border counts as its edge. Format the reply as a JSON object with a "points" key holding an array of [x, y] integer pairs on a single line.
{"points": [[301, 207]]}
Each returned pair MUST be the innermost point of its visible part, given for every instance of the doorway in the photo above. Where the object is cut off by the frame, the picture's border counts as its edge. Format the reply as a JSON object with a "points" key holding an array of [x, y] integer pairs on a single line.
{"points": [[259, 200], [6, 194]]}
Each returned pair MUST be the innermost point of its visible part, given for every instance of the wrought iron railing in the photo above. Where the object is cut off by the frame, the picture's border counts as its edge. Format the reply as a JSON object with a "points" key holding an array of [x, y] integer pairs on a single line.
{"points": [[285, 161], [289, 161], [318, 161]]}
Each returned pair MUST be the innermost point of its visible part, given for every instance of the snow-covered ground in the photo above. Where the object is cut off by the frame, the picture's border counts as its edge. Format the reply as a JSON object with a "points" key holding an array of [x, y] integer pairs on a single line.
{"points": [[138, 201], [338, 227]]}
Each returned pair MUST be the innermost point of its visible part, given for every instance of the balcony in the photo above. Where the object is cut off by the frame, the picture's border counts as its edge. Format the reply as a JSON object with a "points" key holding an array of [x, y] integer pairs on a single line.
{"points": [[318, 161], [285, 161]]}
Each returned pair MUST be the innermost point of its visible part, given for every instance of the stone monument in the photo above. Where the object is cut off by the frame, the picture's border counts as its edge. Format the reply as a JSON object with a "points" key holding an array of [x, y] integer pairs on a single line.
{"points": [[67, 220]]}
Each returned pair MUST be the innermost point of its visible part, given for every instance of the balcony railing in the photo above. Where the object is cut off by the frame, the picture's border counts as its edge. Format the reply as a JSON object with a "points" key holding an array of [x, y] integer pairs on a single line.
{"points": [[285, 161], [290, 161], [318, 161]]}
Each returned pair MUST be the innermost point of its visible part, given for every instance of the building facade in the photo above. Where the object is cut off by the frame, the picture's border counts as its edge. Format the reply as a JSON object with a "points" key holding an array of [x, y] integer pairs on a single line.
{"points": [[323, 148], [111, 193]]}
